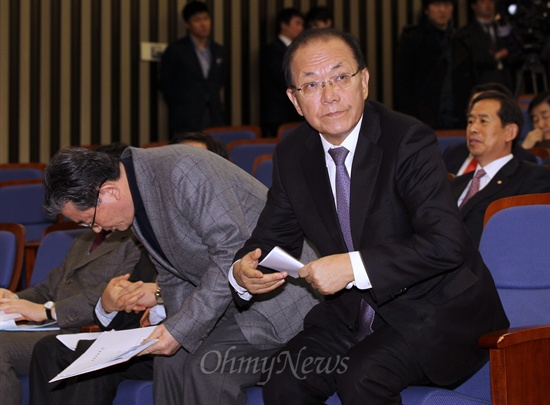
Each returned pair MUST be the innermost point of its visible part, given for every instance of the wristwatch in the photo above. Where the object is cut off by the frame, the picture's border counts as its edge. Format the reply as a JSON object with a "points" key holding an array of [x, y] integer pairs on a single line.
{"points": [[49, 308], [158, 296]]}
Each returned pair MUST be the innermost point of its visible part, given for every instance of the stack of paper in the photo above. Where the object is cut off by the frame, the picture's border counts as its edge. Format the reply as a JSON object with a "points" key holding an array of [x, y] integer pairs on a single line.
{"points": [[110, 348]]}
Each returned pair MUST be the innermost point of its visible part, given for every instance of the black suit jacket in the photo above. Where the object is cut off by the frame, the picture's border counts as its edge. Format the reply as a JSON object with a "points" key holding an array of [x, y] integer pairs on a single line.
{"points": [[515, 178], [276, 108], [429, 282], [455, 155], [420, 67], [186, 91]]}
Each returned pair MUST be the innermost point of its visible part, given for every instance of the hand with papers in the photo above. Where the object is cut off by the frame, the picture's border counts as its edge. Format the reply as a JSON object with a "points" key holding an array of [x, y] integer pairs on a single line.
{"points": [[246, 273], [165, 344], [322, 276]]}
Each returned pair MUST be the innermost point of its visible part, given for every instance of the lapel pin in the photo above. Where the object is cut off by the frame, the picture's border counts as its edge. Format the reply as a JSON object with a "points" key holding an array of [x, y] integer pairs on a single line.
{"points": [[499, 182]]}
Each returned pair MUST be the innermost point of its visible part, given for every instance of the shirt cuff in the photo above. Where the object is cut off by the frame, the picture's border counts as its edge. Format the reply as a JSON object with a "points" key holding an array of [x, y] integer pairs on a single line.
{"points": [[361, 278], [157, 314], [102, 316], [243, 292]]}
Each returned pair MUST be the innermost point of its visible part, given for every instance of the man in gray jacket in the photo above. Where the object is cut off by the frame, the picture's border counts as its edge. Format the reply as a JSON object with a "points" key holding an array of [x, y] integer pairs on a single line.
{"points": [[192, 210]]}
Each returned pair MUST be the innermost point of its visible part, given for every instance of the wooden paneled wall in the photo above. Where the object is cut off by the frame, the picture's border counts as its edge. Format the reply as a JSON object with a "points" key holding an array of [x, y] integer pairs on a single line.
{"points": [[71, 73]]}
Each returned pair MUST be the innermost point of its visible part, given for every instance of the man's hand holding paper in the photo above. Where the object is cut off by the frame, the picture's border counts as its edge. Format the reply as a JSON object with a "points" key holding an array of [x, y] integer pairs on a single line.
{"points": [[247, 275]]}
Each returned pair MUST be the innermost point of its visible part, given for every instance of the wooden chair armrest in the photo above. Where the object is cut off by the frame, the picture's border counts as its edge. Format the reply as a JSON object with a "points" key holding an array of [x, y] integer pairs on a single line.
{"points": [[513, 336], [89, 328], [520, 369]]}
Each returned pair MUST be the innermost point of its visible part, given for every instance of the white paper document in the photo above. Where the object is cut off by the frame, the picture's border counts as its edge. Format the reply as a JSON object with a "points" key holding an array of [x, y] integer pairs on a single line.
{"points": [[71, 339], [280, 260], [110, 348]]}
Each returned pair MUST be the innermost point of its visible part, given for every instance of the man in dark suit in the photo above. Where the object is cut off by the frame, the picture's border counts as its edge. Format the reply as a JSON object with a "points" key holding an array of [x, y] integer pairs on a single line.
{"points": [[407, 293], [433, 72], [495, 49], [457, 158], [275, 107], [192, 74], [494, 122]]}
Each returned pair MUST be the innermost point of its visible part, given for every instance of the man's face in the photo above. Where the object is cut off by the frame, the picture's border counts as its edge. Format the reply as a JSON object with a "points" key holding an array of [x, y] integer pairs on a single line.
{"points": [[541, 119], [199, 25], [335, 111], [294, 27], [484, 9], [487, 139], [111, 213], [440, 14]]}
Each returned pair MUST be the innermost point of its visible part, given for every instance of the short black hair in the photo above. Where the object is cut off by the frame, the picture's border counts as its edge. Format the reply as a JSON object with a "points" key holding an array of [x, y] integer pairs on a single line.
{"points": [[318, 14], [212, 144], [320, 35], [427, 3], [509, 111], [192, 8], [285, 15], [543, 97], [75, 175]]}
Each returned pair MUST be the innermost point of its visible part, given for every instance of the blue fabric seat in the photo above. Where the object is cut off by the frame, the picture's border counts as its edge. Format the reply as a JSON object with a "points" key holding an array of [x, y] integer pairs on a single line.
{"points": [[22, 204]]}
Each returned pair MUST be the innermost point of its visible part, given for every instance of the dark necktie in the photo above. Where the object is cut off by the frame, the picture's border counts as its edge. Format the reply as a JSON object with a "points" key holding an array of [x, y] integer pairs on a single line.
{"points": [[343, 191], [474, 187], [99, 238]]}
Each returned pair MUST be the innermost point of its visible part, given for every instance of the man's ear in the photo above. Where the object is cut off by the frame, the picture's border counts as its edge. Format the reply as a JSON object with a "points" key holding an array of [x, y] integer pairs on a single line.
{"points": [[511, 131], [292, 97], [110, 190]]}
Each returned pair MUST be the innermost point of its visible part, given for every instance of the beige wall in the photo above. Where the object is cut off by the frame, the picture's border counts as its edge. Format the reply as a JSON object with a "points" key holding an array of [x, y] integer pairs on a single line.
{"points": [[71, 74]]}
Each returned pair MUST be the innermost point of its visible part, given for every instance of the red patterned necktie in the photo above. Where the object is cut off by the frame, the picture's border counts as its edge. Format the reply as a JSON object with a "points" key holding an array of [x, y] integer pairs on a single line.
{"points": [[474, 187]]}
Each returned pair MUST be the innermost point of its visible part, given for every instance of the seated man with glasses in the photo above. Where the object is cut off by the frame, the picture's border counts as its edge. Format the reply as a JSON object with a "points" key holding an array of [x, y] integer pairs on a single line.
{"points": [[407, 293]]}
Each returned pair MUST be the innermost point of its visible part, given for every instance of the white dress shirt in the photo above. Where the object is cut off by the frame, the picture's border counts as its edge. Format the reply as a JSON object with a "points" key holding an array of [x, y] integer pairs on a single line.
{"points": [[362, 280]]}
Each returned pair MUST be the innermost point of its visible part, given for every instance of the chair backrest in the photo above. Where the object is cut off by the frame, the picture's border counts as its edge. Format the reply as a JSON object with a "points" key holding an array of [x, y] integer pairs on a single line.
{"points": [[287, 128], [446, 141], [514, 201], [20, 174], [263, 169], [515, 246], [12, 246], [23, 204], [51, 252], [231, 133], [244, 152]]}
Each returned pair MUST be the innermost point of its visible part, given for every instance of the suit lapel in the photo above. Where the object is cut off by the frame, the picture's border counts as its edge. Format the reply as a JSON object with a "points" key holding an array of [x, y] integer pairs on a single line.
{"points": [[192, 56], [364, 172], [501, 179], [318, 183], [460, 183]]}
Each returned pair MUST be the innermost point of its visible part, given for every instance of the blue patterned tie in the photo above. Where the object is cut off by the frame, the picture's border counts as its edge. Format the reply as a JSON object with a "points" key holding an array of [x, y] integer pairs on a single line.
{"points": [[343, 192]]}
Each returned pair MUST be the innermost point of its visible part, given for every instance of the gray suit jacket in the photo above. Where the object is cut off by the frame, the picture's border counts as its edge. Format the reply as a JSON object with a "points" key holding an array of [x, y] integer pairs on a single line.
{"points": [[202, 209], [77, 284]]}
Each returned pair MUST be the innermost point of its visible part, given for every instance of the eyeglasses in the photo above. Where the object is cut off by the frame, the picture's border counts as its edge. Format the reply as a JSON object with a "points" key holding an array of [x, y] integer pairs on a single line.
{"points": [[93, 224], [342, 81]]}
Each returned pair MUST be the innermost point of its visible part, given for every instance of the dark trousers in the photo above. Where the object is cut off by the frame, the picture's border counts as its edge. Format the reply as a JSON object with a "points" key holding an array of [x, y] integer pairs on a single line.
{"points": [[317, 362], [50, 357]]}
